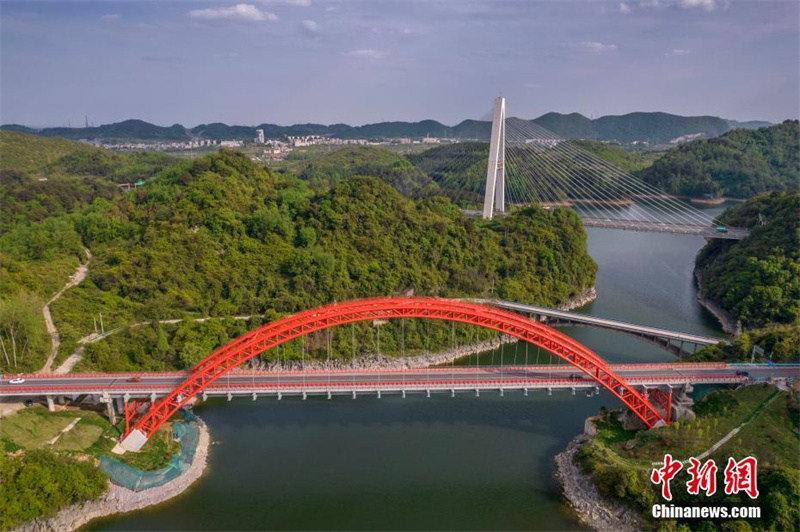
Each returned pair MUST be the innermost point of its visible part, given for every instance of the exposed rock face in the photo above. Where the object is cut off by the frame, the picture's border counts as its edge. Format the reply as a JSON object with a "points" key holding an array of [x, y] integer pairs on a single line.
{"points": [[386, 362], [585, 297], [729, 323], [592, 508]]}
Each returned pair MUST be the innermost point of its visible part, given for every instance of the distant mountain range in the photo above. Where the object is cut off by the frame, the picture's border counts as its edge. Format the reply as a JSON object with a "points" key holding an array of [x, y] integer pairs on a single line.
{"points": [[654, 128]]}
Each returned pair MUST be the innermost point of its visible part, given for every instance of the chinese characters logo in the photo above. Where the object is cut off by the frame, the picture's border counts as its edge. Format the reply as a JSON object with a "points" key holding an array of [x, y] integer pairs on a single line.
{"points": [[739, 476]]}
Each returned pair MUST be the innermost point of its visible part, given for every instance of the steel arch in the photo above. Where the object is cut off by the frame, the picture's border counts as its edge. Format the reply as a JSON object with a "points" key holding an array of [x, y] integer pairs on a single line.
{"points": [[273, 334]]}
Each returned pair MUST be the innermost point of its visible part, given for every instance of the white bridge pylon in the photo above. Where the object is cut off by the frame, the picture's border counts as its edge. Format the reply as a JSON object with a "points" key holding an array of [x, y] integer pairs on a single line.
{"points": [[496, 172]]}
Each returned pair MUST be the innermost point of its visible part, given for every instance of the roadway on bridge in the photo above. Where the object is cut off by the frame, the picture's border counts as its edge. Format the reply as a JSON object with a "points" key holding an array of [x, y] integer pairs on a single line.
{"points": [[601, 322], [565, 376]]}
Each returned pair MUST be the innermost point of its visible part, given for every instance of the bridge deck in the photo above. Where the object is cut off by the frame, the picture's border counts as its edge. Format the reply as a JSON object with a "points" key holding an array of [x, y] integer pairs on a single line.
{"points": [[732, 233], [369, 381], [602, 322]]}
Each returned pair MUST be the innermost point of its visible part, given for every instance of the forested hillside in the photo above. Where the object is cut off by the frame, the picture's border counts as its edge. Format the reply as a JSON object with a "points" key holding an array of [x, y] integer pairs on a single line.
{"points": [[221, 236], [654, 128], [757, 279], [327, 170], [739, 164], [458, 169]]}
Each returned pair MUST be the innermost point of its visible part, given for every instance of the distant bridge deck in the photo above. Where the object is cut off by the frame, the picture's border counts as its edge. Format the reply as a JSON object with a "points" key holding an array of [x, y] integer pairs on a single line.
{"points": [[617, 325], [732, 233], [352, 382]]}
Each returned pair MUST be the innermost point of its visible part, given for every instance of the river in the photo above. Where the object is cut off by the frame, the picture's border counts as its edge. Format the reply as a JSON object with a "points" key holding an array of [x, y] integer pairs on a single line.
{"points": [[442, 463]]}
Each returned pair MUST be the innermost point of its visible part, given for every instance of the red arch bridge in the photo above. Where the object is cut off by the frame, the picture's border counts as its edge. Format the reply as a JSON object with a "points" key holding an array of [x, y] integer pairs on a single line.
{"points": [[644, 388]]}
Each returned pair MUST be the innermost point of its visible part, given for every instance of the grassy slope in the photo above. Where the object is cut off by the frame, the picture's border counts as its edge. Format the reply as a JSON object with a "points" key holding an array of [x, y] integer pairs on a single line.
{"points": [[620, 461], [740, 163], [28, 152]]}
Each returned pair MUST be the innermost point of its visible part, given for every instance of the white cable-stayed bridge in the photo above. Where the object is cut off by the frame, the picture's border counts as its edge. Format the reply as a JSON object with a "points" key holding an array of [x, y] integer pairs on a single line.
{"points": [[529, 164]]}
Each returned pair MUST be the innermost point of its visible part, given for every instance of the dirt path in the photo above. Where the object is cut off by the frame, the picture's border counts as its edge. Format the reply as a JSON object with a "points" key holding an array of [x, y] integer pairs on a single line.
{"points": [[760, 408], [55, 339], [77, 355], [64, 431]]}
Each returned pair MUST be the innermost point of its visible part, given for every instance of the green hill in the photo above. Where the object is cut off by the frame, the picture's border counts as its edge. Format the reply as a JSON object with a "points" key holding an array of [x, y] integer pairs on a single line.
{"points": [[739, 164], [24, 152], [44, 177], [221, 236], [757, 279], [619, 156], [654, 128], [327, 170], [458, 169]]}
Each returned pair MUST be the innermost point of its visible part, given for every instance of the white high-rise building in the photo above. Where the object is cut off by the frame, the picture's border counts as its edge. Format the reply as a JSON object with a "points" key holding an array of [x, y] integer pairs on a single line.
{"points": [[260, 134]]}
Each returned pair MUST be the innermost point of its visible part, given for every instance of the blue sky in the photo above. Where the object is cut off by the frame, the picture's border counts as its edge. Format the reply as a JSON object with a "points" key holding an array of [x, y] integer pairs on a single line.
{"points": [[291, 61]]}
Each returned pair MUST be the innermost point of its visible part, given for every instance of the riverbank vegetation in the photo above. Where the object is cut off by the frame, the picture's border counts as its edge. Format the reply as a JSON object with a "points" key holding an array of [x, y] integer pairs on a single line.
{"points": [[739, 164], [49, 459], [757, 279], [620, 461], [40, 483]]}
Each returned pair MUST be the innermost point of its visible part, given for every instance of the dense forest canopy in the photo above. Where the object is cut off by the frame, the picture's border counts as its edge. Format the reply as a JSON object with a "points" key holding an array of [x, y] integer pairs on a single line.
{"points": [[327, 170], [222, 236], [757, 278], [40, 483], [739, 164]]}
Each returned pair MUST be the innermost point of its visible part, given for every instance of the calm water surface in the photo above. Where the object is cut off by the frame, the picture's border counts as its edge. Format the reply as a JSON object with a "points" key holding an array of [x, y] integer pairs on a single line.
{"points": [[429, 464]]}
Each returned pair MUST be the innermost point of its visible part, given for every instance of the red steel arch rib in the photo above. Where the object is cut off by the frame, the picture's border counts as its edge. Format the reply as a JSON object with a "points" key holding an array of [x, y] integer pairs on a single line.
{"points": [[273, 334]]}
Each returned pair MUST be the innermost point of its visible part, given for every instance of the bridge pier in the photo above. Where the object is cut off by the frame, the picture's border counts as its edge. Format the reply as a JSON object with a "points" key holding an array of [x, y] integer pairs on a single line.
{"points": [[112, 415], [51, 406]]}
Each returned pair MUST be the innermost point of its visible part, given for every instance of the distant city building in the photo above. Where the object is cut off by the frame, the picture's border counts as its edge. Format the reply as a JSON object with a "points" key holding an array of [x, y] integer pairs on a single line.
{"points": [[260, 136], [231, 143]]}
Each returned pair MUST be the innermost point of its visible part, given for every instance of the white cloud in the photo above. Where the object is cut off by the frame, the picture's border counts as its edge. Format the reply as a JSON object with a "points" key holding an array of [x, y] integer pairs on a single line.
{"points": [[311, 26], [675, 52], [598, 47], [624, 8], [247, 12], [708, 5], [367, 52], [299, 3], [650, 3]]}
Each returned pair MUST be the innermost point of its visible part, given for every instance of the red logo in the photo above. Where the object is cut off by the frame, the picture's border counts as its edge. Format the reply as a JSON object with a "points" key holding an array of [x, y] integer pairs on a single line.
{"points": [[738, 476], [741, 476], [702, 478], [665, 474]]}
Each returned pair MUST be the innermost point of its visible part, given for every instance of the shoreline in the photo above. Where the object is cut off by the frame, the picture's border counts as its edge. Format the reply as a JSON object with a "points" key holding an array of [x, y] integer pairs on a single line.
{"points": [[119, 500], [729, 324], [417, 361], [592, 509]]}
